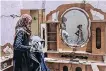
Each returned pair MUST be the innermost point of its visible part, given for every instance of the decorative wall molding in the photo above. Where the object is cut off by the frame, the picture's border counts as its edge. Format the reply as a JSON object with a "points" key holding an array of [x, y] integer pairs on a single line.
{"points": [[64, 7]]}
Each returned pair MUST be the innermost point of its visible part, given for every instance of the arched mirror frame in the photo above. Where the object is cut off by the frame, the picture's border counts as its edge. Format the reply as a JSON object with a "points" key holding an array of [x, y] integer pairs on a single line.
{"points": [[88, 26]]}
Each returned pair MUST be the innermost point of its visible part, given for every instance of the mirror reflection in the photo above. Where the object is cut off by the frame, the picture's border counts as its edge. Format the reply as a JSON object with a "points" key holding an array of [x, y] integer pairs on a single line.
{"points": [[75, 27]]}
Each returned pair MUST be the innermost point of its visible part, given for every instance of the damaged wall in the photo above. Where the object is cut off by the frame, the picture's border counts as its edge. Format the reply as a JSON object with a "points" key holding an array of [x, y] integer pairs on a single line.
{"points": [[13, 7]]}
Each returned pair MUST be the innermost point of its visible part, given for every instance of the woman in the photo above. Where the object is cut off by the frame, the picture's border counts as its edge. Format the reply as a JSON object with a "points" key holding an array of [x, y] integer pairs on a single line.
{"points": [[23, 51], [79, 34], [21, 43]]}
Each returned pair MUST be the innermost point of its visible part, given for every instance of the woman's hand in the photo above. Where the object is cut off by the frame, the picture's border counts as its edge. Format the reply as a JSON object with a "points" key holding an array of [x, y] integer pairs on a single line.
{"points": [[32, 49]]}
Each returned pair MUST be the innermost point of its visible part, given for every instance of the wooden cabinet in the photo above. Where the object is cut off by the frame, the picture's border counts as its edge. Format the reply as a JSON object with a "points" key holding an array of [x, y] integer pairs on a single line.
{"points": [[90, 57], [49, 34], [52, 36], [6, 58], [38, 17], [98, 37], [7, 64]]}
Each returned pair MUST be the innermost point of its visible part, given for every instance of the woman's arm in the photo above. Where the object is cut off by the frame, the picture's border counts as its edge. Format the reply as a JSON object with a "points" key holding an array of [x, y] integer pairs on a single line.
{"points": [[18, 42], [77, 33]]}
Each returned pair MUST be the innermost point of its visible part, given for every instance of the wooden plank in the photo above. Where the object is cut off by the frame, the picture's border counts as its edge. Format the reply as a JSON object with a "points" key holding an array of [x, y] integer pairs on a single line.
{"points": [[94, 67], [25, 11]]}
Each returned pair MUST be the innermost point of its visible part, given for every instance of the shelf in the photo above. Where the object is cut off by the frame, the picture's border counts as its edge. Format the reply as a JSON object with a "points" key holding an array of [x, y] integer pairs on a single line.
{"points": [[84, 62], [49, 36], [5, 58], [51, 41], [52, 32], [50, 21], [52, 51], [7, 67], [52, 36], [77, 52]]}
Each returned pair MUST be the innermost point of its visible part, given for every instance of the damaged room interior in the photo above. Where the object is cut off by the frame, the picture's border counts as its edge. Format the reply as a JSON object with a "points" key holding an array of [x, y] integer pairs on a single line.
{"points": [[53, 35]]}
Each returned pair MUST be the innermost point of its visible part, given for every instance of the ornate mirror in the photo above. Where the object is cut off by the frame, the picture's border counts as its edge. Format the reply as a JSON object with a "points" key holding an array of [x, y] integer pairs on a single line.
{"points": [[75, 27]]}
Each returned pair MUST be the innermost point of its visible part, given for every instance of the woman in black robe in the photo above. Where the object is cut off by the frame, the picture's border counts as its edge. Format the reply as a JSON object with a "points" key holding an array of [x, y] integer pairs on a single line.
{"points": [[21, 61]]}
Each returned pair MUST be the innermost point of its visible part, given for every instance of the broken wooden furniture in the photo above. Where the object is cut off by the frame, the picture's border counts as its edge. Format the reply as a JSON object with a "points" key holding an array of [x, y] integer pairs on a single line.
{"points": [[90, 52], [6, 59]]}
